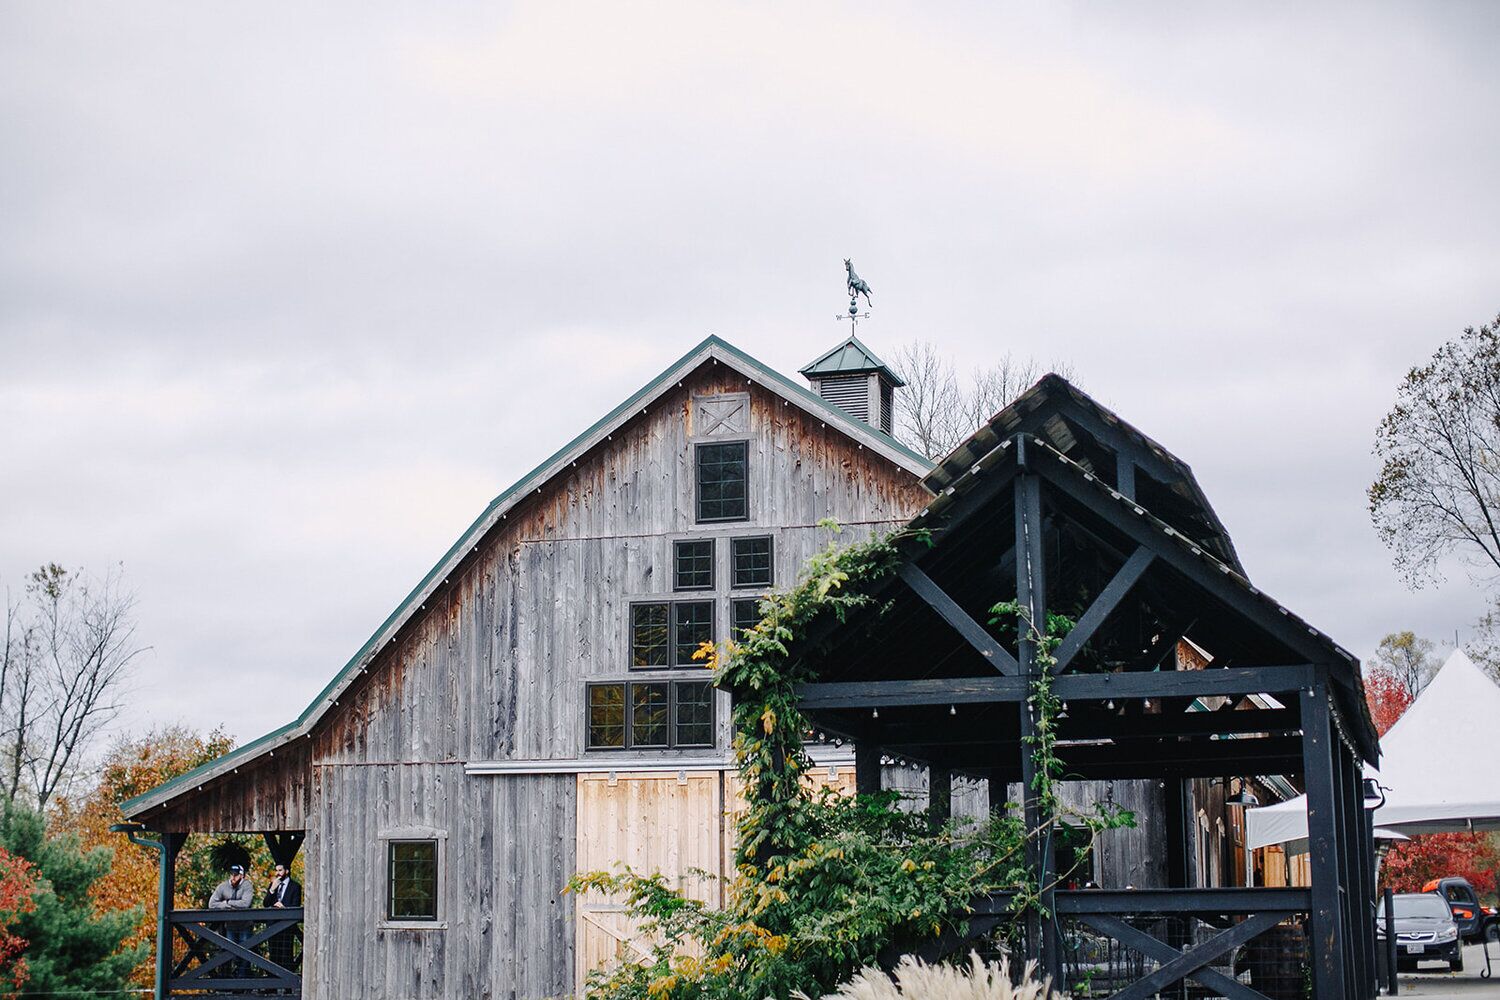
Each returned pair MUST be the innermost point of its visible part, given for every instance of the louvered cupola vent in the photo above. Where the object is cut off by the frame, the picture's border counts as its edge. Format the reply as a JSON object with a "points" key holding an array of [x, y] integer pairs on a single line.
{"points": [[852, 378]]}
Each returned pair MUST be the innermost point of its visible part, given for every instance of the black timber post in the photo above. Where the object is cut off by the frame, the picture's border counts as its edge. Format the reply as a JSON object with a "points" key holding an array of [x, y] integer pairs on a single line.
{"points": [[866, 768], [1179, 816], [1031, 595], [166, 892], [1326, 938], [1391, 983], [939, 794], [1362, 890]]}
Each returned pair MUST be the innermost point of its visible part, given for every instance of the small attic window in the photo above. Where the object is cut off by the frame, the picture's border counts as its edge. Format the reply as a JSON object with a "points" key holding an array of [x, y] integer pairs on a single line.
{"points": [[723, 481]]}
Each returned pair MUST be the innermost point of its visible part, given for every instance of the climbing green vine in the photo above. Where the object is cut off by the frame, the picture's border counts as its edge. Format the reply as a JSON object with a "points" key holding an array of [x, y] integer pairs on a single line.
{"points": [[824, 882]]}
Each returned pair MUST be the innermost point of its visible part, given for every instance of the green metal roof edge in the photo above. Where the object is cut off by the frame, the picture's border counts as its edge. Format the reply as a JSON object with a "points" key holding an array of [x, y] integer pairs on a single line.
{"points": [[523, 485], [880, 366]]}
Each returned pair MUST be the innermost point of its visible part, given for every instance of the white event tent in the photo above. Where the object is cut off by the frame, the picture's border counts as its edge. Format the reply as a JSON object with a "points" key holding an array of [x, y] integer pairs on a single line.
{"points": [[1437, 765]]}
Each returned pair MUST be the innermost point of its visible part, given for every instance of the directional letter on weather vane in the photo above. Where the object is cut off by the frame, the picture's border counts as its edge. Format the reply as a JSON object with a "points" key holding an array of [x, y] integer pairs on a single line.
{"points": [[856, 287]]}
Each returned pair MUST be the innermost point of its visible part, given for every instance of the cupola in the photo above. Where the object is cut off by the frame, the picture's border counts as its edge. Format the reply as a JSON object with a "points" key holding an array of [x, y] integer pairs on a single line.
{"points": [[852, 378]]}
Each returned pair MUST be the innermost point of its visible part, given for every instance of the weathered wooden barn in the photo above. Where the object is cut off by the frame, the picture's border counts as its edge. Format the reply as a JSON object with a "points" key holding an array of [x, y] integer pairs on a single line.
{"points": [[533, 707]]}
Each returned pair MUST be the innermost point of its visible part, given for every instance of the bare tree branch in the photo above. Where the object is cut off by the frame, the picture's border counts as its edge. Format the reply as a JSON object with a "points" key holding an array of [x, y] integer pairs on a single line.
{"points": [[1438, 492], [938, 409], [69, 647]]}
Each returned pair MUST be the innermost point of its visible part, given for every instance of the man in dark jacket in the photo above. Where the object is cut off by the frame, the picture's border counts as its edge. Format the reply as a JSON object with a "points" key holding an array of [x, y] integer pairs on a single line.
{"points": [[285, 893]]}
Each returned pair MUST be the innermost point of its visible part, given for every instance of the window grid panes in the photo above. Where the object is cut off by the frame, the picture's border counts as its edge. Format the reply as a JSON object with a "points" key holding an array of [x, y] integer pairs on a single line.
{"points": [[692, 626], [693, 565], [723, 493], [650, 715], [667, 633], [693, 714], [650, 635], [607, 715], [751, 558], [412, 880], [746, 614]]}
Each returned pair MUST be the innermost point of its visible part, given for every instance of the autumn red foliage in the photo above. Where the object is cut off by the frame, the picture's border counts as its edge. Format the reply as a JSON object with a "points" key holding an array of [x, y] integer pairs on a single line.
{"points": [[1388, 697], [1412, 863], [17, 889]]}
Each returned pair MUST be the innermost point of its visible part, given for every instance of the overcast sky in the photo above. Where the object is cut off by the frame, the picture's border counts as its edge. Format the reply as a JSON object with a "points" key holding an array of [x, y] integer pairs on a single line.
{"points": [[289, 292]]}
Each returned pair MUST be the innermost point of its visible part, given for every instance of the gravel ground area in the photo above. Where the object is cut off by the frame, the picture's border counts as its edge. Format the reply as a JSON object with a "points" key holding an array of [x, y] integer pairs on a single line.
{"points": [[1465, 985]]}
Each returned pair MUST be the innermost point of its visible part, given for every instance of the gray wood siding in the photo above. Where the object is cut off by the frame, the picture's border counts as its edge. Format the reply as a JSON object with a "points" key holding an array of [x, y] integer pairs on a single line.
{"points": [[497, 670], [507, 849]]}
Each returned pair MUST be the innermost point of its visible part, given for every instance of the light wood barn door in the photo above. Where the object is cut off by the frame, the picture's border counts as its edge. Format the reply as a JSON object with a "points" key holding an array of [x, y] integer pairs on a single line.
{"points": [[678, 824]]}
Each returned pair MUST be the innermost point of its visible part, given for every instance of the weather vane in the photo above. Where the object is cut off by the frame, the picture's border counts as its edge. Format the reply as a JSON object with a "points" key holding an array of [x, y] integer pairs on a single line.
{"points": [[857, 287]]}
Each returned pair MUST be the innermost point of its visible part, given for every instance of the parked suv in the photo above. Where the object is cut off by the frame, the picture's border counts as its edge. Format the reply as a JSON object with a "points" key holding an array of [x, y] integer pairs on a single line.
{"points": [[1425, 931], [1473, 920]]}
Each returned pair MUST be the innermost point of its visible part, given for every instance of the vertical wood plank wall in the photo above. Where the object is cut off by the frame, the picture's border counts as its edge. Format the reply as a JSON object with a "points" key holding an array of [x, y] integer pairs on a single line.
{"points": [[495, 670]]}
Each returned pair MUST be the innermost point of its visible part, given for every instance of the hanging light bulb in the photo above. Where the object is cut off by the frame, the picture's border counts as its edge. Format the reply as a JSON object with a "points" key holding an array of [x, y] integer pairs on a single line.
{"points": [[874, 713], [952, 709], [1146, 704], [1110, 704]]}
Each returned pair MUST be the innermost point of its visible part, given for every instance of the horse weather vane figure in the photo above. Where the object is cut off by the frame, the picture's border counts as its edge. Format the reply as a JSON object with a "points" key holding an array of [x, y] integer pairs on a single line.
{"points": [[857, 287]]}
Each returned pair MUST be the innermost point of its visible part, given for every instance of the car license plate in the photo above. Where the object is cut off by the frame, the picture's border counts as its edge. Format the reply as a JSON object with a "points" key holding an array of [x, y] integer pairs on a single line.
{"points": [[1414, 949]]}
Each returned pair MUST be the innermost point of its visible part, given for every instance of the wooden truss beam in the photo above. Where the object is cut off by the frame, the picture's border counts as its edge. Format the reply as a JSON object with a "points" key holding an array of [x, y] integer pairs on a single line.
{"points": [[1078, 687], [1104, 605], [947, 608]]}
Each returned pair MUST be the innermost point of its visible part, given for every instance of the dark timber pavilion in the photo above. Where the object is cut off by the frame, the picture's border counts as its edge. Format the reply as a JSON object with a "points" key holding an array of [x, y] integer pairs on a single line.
{"points": [[1059, 504]]}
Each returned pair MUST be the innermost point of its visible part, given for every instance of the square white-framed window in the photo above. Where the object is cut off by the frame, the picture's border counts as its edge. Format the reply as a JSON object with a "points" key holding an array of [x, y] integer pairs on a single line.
{"points": [[415, 886]]}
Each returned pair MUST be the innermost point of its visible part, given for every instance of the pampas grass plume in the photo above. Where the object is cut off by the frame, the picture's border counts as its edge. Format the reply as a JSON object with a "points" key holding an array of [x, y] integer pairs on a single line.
{"points": [[916, 980]]}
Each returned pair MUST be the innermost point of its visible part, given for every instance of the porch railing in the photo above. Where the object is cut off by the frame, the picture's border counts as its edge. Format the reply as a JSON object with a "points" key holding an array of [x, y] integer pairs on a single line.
{"points": [[1139, 943], [237, 952]]}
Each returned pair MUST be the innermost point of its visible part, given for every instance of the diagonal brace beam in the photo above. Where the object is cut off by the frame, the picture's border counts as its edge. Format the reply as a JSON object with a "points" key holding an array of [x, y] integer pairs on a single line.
{"points": [[1191, 963], [947, 608], [1104, 605]]}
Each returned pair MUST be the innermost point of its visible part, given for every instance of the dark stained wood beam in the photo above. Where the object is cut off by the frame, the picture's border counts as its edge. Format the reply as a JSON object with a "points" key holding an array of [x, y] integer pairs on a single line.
{"points": [[947, 608], [1104, 605], [1079, 687]]}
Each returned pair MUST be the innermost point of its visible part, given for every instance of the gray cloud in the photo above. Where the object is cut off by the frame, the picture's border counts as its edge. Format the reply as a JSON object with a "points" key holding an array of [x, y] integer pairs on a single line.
{"points": [[287, 294]]}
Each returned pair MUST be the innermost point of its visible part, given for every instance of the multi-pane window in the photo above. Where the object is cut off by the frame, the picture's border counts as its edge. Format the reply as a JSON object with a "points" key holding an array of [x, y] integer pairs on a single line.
{"points": [[668, 633], [660, 715], [412, 880], [693, 714], [650, 635], [751, 559], [649, 704], [692, 626], [744, 613], [693, 565], [723, 494], [606, 707]]}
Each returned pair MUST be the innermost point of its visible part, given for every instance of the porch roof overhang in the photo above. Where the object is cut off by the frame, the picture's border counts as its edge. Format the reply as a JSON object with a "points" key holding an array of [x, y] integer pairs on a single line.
{"points": [[927, 675]]}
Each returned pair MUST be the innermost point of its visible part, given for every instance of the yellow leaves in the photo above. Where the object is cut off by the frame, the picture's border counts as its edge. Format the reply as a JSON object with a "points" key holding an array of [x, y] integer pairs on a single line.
{"points": [[661, 987], [908, 865], [708, 653], [916, 913], [768, 720]]}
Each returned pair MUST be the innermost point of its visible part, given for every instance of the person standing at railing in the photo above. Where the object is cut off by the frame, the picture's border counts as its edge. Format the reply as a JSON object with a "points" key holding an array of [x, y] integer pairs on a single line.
{"points": [[285, 892], [235, 893]]}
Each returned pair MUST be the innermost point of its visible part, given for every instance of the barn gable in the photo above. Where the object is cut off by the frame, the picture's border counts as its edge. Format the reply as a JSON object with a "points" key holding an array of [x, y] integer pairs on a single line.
{"points": [[570, 486]]}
